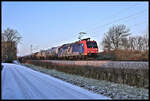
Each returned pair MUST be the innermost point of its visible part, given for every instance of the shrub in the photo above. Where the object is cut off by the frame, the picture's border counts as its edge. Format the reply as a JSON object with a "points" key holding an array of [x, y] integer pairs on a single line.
{"points": [[126, 55], [9, 61], [106, 56], [134, 77]]}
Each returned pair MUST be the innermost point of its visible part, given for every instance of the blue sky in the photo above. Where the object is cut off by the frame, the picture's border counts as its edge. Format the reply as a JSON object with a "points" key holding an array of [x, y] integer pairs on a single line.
{"points": [[49, 24]]}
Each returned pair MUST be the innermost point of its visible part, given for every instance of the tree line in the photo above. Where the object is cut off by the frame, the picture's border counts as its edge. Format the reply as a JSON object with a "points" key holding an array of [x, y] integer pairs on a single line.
{"points": [[118, 39]]}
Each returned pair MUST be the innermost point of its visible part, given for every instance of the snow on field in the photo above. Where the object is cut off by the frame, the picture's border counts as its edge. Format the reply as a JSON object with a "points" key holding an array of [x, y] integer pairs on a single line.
{"points": [[106, 88], [16, 62], [19, 82]]}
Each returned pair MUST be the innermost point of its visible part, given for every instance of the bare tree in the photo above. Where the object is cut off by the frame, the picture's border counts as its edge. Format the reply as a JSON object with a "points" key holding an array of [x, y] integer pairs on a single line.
{"points": [[114, 37], [139, 43], [125, 43], [132, 43], [10, 39], [106, 43], [11, 35], [146, 41]]}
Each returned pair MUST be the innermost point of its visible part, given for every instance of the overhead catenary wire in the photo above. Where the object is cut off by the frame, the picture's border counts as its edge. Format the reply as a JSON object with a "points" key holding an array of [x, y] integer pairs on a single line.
{"points": [[24, 48], [137, 24], [120, 19], [103, 25], [116, 13], [111, 4]]}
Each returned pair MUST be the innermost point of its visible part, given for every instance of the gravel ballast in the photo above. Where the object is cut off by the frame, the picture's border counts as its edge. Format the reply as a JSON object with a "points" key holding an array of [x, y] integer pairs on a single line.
{"points": [[110, 89]]}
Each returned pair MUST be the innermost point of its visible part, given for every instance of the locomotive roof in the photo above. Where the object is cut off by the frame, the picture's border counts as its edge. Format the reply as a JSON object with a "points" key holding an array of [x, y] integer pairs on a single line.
{"points": [[87, 39]]}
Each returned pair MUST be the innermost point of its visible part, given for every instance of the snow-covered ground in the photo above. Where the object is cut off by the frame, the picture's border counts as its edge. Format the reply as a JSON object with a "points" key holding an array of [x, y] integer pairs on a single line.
{"points": [[106, 88], [16, 62], [19, 82]]}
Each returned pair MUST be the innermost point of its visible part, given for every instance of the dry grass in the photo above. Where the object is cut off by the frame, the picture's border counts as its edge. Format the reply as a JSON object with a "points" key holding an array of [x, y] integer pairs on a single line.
{"points": [[124, 55], [131, 76]]}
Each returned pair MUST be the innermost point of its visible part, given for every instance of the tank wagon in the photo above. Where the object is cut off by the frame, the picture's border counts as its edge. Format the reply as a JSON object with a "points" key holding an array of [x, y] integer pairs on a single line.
{"points": [[53, 53]]}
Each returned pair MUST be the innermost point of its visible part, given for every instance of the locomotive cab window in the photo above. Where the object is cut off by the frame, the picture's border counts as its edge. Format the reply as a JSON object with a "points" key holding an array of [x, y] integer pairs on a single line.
{"points": [[91, 44]]}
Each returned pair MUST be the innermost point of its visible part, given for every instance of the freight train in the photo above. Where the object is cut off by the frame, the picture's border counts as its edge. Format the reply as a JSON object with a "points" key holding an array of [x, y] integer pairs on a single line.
{"points": [[83, 49]]}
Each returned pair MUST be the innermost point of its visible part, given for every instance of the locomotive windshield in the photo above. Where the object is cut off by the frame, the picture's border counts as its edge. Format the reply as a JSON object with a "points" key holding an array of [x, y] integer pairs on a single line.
{"points": [[91, 44]]}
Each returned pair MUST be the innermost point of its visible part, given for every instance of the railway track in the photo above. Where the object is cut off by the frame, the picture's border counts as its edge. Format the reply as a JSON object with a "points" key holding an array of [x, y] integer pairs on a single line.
{"points": [[100, 63]]}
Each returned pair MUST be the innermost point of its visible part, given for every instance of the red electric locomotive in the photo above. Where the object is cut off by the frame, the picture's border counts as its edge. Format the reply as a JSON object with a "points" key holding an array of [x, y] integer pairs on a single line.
{"points": [[82, 49], [90, 47]]}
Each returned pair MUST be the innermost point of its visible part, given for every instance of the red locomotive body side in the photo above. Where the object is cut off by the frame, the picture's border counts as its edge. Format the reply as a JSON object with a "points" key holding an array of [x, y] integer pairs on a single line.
{"points": [[90, 47]]}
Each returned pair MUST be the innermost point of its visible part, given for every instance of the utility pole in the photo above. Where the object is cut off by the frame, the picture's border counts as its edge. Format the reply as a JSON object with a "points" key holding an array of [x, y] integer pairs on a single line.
{"points": [[31, 48]]}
